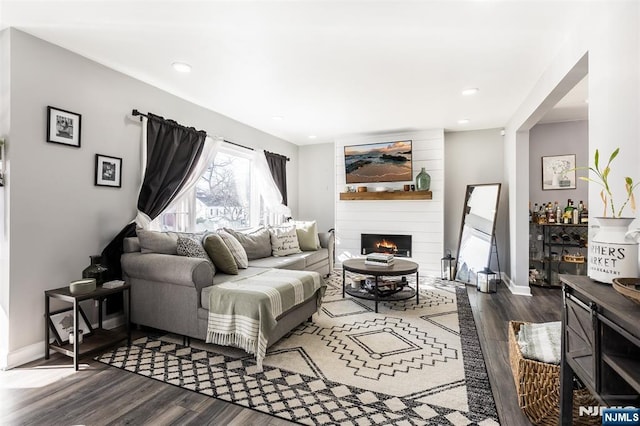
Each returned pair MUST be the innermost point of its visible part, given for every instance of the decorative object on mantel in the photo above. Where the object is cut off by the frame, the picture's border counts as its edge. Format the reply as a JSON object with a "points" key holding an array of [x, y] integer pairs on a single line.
{"points": [[362, 189], [63, 127], [95, 270], [629, 287], [613, 250], [423, 181]]}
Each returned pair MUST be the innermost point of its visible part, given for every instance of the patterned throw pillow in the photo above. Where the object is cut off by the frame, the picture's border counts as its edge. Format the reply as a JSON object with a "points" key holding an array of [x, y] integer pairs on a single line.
{"points": [[235, 248], [284, 241], [191, 248], [220, 254]]}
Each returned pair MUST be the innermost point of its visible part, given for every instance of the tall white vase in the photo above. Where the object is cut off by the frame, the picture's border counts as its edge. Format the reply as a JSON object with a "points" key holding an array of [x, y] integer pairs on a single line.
{"points": [[613, 250]]}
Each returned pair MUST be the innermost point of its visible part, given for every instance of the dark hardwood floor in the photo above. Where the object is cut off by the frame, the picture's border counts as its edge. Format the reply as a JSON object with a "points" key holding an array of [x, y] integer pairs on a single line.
{"points": [[49, 392]]}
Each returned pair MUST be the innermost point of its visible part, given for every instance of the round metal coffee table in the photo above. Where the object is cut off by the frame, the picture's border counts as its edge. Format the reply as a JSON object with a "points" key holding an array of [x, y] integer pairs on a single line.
{"points": [[400, 267]]}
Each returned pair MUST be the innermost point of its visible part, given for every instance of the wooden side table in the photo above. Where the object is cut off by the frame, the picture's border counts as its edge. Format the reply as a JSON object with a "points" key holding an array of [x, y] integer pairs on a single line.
{"points": [[99, 338]]}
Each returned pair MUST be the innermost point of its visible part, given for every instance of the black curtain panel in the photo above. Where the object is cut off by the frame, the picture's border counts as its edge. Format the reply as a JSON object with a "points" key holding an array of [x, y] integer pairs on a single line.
{"points": [[172, 154], [278, 166]]}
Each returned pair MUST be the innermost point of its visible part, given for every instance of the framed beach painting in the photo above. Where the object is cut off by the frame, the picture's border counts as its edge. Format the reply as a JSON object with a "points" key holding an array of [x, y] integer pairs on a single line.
{"points": [[558, 172], [378, 162]]}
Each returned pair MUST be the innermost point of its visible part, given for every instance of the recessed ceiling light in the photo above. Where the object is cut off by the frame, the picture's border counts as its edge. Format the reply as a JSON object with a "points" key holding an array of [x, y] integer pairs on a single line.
{"points": [[181, 67], [277, 117], [312, 136], [463, 121], [470, 91]]}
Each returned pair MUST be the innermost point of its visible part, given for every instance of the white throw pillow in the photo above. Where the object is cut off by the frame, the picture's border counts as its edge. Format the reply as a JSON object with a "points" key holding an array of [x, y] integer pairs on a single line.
{"points": [[284, 241], [307, 232]]}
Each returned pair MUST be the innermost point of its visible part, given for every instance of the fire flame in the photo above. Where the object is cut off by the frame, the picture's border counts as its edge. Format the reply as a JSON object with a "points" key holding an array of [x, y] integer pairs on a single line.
{"points": [[386, 245]]}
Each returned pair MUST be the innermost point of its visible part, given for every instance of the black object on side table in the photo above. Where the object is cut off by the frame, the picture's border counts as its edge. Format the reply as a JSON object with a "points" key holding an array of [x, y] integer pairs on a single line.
{"points": [[99, 338], [600, 344]]}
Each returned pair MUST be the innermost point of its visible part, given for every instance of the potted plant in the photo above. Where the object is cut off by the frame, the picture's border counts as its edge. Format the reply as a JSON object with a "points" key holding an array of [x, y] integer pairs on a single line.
{"points": [[613, 250], [603, 180]]}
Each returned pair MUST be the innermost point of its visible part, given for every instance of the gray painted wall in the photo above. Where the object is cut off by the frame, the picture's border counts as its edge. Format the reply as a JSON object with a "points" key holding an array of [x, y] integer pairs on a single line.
{"points": [[474, 157], [558, 139], [316, 181], [58, 216]]}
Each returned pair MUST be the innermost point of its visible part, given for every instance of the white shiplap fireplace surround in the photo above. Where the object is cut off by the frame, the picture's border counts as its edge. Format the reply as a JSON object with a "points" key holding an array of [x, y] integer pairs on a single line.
{"points": [[422, 219]]}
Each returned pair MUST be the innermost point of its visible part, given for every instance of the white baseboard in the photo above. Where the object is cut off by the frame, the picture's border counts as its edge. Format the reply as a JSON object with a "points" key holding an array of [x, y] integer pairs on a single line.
{"points": [[35, 351], [514, 288], [25, 354]]}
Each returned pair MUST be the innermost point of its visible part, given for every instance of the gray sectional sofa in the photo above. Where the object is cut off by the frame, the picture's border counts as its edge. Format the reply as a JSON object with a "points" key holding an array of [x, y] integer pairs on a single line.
{"points": [[171, 292]]}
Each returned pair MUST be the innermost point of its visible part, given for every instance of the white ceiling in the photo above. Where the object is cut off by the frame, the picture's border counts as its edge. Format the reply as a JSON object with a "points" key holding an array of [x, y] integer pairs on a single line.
{"points": [[328, 68]]}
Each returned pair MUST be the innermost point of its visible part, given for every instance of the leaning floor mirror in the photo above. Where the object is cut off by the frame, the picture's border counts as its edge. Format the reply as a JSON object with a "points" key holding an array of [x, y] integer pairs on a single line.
{"points": [[477, 231]]}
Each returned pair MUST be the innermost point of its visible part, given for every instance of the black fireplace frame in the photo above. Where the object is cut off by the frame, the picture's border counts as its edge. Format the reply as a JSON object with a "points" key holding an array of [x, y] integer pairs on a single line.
{"points": [[404, 250]]}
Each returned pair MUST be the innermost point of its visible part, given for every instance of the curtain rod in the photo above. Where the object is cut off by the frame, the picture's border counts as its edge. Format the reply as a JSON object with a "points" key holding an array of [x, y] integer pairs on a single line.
{"points": [[136, 113]]}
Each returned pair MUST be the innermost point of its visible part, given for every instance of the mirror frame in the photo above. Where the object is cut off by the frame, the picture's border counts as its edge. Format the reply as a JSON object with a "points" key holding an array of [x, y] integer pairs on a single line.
{"points": [[465, 209]]}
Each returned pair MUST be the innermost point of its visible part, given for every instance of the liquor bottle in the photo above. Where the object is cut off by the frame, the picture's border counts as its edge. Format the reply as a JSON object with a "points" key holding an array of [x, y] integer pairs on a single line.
{"points": [[551, 215], [580, 209], [584, 217], [542, 214], [534, 214], [558, 213], [568, 212]]}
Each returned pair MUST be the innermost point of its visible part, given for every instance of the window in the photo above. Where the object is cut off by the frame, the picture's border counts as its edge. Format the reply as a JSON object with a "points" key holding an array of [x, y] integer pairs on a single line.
{"points": [[225, 196]]}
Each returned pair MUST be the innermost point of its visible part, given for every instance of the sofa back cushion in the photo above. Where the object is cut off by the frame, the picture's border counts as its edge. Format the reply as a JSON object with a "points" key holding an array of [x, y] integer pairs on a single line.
{"points": [[256, 243], [162, 242], [220, 254], [157, 242]]}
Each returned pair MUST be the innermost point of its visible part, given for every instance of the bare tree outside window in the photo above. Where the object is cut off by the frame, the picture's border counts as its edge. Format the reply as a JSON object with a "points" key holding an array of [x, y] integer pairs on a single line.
{"points": [[223, 194]]}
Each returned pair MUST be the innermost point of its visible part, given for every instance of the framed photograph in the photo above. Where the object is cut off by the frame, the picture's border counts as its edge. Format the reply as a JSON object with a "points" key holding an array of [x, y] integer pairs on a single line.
{"points": [[61, 323], [108, 171], [558, 172], [63, 127]]}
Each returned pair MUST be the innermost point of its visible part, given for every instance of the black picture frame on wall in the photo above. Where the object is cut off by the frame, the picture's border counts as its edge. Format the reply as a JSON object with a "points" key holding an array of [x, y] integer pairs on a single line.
{"points": [[108, 171], [559, 172], [64, 127]]}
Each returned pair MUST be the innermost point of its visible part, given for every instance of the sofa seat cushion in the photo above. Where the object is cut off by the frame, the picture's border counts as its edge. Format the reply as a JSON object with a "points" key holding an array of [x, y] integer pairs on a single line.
{"points": [[293, 261], [313, 257]]}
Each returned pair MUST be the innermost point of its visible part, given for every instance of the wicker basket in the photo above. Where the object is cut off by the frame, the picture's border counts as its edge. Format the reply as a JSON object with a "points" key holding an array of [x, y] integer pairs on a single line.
{"points": [[538, 387]]}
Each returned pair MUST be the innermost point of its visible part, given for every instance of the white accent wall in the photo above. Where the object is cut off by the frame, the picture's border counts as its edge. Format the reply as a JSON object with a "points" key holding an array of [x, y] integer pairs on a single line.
{"points": [[422, 219]]}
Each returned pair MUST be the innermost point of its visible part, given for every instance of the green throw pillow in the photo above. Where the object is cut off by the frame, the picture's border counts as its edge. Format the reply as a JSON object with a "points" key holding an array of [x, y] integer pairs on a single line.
{"points": [[220, 254]]}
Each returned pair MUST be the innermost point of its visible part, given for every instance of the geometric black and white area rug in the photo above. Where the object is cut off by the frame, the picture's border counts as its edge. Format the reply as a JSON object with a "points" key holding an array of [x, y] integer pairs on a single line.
{"points": [[407, 364]]}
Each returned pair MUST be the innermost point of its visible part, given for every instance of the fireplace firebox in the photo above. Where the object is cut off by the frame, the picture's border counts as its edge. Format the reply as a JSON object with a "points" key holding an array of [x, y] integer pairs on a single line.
{"points": [[398, 245]]}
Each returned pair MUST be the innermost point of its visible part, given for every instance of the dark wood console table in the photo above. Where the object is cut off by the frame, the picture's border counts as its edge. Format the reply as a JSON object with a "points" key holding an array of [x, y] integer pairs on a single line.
{"points": [[600, 344]]}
